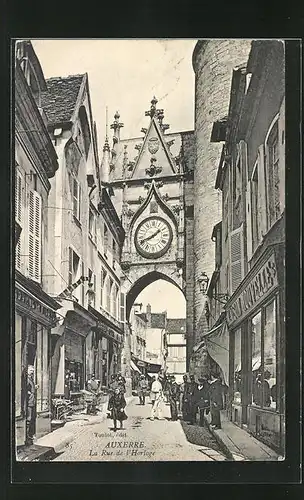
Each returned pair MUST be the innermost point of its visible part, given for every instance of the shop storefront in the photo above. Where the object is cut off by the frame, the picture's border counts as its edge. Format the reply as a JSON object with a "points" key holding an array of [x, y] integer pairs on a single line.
{"points": [[103, 348], [35, 315], [255, 317]]}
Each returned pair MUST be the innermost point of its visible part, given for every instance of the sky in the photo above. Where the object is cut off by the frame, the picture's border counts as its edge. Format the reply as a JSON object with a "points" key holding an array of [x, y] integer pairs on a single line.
{"points": [[124, 75], [163, 296]]}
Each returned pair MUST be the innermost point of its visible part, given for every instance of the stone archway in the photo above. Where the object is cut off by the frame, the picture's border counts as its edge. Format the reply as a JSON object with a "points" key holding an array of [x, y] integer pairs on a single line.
{"points": [[142, 283]]}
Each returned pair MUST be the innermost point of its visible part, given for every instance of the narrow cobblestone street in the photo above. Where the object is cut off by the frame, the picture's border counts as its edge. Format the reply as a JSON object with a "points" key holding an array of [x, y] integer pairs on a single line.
{"points": [[141, 440]]}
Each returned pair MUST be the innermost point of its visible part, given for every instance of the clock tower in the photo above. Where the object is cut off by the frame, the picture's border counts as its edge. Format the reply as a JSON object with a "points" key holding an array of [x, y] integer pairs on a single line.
{"points": [[151, 179]]}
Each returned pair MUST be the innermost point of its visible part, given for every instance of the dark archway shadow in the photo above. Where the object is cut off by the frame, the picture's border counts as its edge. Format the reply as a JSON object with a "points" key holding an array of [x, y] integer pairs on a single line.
{"points": [[142, 283]]}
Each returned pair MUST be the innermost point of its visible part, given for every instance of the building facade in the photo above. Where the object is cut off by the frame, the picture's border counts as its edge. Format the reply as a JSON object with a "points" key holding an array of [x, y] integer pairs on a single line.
{"points": [[245, 296], [138, 338], [83, 264], [35, 310], [152, 181], [176, 337], [213, 62]]}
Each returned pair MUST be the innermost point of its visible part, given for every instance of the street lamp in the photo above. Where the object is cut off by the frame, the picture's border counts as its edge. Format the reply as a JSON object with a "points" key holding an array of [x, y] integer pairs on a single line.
{"points": [[203, 282]]}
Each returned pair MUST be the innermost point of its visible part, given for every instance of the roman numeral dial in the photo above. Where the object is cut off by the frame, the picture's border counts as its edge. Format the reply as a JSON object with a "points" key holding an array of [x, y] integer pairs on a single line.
{"points": [[153, 237]]}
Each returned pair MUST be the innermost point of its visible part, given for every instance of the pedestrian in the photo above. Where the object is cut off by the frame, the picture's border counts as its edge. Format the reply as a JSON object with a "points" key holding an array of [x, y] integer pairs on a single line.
{"points": [[31, 400], [216, 400], [192, 409], [184, 398], [116, 406], [201, 398], [156, 399], [113, 383], [93, 387], [121, 381], [174, 393], [142, 388]]}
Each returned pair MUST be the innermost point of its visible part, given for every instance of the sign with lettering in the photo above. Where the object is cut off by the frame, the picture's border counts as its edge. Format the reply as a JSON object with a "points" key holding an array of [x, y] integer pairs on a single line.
{"points": [[108, 332], [263, 283], [32, 306]]}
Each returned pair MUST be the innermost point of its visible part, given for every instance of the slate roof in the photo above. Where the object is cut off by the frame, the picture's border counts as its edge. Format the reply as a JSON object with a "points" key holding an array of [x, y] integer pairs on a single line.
{"points": [[142, 316], [176, 325], [158, 320], [60, 99]]}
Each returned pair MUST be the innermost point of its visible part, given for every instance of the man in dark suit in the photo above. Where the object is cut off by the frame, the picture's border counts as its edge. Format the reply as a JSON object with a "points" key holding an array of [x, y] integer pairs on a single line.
{"points": [[201, 398], [192, 408], [174, 393], [216, 400], [30, 406]]}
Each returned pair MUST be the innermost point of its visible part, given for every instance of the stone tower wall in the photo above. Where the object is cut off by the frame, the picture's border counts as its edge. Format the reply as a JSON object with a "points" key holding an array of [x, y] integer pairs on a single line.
{"points": [[213, 62]]}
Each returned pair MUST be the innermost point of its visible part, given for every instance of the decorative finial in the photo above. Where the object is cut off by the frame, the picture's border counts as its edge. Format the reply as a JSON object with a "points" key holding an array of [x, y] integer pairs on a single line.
{"points": [[152, 109]]}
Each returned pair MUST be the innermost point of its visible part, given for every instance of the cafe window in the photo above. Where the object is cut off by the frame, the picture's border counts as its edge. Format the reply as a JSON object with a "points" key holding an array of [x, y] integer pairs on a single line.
{"points": [[263, 335], [237, 366]]}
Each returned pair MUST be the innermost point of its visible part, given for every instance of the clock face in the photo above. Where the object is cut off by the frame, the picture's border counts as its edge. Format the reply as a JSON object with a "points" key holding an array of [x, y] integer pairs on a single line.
{"points": [[153, 237]]}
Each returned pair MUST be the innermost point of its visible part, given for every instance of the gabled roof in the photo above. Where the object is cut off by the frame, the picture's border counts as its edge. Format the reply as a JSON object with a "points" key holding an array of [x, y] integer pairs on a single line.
{"points": [[154, 125], [177, 325], [158, 320], [60, 99]]}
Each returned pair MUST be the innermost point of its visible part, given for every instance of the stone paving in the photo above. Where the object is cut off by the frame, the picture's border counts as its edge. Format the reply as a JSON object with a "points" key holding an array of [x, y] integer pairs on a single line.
{"points": [[140, 440]]}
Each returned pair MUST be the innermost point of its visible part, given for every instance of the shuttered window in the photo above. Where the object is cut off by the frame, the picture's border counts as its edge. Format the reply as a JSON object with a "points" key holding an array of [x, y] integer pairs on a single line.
{"points": [[108, 294], [122, 308], [103, 276], [70, 278], [18, 198], [273, 178], [18, 215], [76, 196], [236, 258], [34, 235]]}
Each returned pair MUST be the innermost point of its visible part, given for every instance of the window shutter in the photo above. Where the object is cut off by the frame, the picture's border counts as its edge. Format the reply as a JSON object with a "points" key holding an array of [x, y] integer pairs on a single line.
{"points": [[79, 201], [18, 214], [18, 198], [34, 234], [249, 220], [262, 201], [122, 308], [70, 280], [236, 258]]}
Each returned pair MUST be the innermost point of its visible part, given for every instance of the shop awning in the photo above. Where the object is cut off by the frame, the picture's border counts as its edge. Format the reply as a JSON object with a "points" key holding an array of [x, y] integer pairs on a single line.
{"points": [[217, 344], [134, 367]]}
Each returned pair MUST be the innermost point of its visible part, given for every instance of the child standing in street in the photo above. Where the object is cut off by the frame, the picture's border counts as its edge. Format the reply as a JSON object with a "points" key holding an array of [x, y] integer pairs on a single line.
{"points": [[116, 406]]}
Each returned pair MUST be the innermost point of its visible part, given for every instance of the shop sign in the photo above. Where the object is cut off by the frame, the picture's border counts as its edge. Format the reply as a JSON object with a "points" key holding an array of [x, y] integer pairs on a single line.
{"points": [[34, 306], [252, 294], [104, 330]]}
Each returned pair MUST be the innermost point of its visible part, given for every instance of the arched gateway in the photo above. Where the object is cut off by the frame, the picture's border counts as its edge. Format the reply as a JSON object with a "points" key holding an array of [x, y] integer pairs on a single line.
{"points": [[152, 185]]}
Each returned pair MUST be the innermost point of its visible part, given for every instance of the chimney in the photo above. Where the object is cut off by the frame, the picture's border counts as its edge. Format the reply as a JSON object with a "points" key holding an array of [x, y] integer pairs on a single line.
{"points": [[148, 315]]}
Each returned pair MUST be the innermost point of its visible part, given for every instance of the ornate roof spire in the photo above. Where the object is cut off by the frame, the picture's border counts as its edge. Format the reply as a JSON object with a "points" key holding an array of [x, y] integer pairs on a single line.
{"points": [[105, 162], [116, 126], [106, 144]]}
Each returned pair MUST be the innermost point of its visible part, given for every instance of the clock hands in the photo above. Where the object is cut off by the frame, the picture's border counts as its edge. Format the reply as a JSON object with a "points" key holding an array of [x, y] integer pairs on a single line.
{"points": [[150, 237]]}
